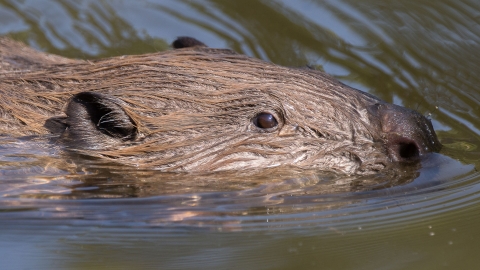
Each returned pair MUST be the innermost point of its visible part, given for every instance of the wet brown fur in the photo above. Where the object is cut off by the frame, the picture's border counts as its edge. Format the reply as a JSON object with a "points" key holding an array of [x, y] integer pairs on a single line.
{"points": [[193, 110]]}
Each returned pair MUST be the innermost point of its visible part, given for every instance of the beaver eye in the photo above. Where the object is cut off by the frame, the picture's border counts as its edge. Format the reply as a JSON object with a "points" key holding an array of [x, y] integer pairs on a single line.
{"points": [[265, 120]]}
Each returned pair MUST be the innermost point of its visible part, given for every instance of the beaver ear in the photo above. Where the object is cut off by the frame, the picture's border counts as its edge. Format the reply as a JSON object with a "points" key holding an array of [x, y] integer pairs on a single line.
{"points": [[186, 42], [91, 116]]}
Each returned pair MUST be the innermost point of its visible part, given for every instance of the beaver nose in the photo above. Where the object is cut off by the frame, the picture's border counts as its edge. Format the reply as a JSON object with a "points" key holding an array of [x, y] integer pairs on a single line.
{"points": [[407, 134]]}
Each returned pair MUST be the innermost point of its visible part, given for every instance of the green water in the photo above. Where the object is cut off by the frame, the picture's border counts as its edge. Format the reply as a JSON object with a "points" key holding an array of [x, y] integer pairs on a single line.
{"points": [[420, 54]]}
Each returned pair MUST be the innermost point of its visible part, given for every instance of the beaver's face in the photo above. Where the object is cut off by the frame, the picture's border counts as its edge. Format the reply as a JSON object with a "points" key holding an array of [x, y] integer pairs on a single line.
{"points": [[202, 109]]}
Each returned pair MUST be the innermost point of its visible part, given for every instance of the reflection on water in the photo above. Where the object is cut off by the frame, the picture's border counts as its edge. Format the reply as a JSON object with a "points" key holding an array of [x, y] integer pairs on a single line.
{"points": [[81, 213], [44, 185], [86, 216]]}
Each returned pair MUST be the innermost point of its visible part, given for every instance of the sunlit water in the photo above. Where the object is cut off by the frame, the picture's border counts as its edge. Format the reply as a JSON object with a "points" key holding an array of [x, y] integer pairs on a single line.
{"points": [[61, 211]]}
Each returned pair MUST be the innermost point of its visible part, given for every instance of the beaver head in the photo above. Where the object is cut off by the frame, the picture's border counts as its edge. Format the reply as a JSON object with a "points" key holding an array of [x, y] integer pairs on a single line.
{"points": [[203, 109]]}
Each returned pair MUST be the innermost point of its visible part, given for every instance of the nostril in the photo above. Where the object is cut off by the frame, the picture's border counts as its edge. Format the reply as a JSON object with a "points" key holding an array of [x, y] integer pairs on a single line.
{"points": [[403, 149], [407, 134], [408, 150]]}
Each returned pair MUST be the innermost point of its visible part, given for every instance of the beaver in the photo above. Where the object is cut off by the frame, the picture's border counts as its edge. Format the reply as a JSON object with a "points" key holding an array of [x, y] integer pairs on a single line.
{"points": [[196, 108]]}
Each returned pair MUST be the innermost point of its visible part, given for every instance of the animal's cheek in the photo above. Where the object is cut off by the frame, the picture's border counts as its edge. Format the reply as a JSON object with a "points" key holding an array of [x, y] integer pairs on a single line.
{"points": [[288, 130]]}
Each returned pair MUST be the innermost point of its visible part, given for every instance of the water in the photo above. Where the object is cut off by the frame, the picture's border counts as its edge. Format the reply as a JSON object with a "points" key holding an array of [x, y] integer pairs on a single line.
{"points": [[67, 213]]}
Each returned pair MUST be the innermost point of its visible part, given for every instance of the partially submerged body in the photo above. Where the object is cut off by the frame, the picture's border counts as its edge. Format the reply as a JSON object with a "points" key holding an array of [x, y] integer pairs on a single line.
{"points": [[203, 109]]}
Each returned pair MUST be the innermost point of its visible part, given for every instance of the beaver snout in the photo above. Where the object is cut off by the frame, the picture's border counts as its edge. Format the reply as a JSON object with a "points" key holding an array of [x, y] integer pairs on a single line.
{"points": [[406, 133]]}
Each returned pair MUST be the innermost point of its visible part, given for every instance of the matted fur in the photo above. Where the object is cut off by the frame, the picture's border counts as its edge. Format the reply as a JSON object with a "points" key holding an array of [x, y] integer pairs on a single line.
{"points": [[193, 110]]}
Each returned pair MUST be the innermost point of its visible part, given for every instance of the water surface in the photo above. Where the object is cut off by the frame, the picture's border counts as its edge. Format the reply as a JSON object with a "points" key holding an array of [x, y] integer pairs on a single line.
{"points": [[58, 212]]}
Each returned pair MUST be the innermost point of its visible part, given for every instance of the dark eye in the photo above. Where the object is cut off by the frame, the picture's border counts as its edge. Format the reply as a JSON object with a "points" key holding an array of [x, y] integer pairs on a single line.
{"points": [[265, 120]]}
